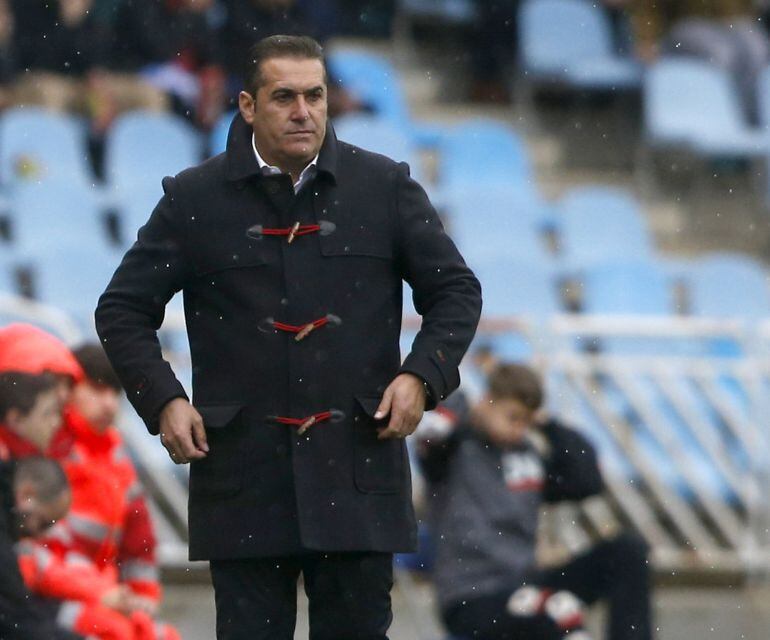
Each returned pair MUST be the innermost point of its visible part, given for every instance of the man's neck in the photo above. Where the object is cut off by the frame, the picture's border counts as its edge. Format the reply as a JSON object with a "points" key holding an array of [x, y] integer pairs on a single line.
{"points": [[294, 170]]}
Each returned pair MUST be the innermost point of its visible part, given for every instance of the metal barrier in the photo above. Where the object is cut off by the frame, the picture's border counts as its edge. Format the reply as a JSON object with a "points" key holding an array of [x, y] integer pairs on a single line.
{"points": [[677, 407]]}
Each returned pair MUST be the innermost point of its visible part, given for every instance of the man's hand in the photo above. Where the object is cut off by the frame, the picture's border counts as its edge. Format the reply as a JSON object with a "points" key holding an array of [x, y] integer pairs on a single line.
{"points": [[404, 400], [182, 432]]}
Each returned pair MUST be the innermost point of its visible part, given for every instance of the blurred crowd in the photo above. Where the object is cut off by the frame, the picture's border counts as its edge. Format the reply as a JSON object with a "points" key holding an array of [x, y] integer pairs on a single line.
{"points": [[101, 57], [77, 544]]}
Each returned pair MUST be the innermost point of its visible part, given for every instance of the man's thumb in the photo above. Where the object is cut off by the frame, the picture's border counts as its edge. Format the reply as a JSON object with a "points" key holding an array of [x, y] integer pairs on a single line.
{"points": [[384, 408]]}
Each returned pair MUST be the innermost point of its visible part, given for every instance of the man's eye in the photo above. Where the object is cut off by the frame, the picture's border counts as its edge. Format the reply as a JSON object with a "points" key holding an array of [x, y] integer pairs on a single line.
{"points": [[283, 98]]}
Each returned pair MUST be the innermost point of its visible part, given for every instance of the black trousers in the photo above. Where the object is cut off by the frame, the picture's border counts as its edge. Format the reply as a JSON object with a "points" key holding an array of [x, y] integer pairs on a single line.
{"points": [[615, 571], [348, 596]]}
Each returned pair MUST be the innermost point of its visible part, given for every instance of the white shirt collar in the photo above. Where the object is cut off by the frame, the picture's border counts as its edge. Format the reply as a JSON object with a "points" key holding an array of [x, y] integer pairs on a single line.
{"points": [[275, 170]]}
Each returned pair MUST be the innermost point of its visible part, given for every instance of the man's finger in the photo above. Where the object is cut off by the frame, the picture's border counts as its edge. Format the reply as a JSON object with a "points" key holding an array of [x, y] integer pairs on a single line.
{"points": [[188, 448], [385, 403], [199, 435]]}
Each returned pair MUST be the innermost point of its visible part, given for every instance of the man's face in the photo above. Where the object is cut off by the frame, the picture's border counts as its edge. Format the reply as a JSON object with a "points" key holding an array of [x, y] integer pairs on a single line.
{"points": [[288, 114], [34, 516], [97, 403]]}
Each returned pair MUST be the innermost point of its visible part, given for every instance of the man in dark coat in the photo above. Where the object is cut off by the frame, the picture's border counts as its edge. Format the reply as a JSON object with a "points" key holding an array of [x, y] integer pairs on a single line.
{"points": [[291, 249]]}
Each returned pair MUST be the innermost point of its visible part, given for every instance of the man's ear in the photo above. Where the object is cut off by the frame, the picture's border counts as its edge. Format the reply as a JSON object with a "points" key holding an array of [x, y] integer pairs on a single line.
{"points": [[247, 106]]}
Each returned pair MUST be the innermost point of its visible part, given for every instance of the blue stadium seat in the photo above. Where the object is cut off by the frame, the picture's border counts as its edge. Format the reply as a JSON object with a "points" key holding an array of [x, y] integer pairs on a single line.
{"points": [[483, 152], [692, 105], [47, 214], [373, 80], [512, 287], [636, 288], [218, 135], [144, 146], [73, 276], [725, 285], [599, 224], [38, 145], [569, 43], [381, 136]]}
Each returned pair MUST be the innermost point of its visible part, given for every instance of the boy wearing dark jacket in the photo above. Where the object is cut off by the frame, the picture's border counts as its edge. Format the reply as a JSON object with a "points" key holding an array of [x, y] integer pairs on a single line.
{"points": [[490, 467]]}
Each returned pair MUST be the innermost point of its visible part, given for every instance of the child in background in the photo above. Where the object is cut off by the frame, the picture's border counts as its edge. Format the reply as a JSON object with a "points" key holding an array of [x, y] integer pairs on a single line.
{"points": [[30, 412], [490, 467], [90, 601]]}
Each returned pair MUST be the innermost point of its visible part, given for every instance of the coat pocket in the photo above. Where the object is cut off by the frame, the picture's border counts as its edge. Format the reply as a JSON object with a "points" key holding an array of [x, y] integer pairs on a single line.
{"points": [[220, 473], [349, 244], [379, 465], [212, 262]]}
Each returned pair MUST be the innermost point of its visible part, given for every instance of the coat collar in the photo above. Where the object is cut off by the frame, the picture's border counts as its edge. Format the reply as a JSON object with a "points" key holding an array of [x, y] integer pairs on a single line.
{"points": [[241, 162]]}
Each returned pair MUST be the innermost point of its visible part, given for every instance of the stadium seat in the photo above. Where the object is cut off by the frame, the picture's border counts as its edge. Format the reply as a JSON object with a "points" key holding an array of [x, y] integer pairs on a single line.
{"points": [[218, 136], [693, 106], [381, 136], [569, 43], [374, 81], [512, 287], [725, 285], [39, 145], [46, 214], [73, 276], [143, 146], [627, 288], [484, 152], [600, 224]]}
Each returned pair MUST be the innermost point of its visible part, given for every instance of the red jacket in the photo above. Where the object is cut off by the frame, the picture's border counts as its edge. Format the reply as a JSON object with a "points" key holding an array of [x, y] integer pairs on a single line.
{"points": [[109, 519]]}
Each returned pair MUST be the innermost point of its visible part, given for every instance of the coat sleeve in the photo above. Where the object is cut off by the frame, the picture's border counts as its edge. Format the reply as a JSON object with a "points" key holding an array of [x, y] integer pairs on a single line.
{"points": [[132, 308], [445, 292], [572, 469]]}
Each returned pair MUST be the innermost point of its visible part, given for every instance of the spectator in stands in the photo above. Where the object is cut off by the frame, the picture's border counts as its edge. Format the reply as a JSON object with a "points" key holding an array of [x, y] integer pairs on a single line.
{"points": [[91, 601], [64, 46], [26, 509], [251, 20], [726, 33], [30, 412], [175, 46], [490, 467], [110, 521], [28, 349], [8, 54]]}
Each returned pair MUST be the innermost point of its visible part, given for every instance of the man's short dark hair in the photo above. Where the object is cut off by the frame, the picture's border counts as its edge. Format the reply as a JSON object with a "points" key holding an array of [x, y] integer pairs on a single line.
{"points": [[92, 358], [20, 390], [303, 47], [517, 382], [45, 474]]}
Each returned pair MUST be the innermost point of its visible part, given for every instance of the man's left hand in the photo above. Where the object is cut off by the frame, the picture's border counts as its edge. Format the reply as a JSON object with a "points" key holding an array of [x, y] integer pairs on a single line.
{"points": [[404, 400]]}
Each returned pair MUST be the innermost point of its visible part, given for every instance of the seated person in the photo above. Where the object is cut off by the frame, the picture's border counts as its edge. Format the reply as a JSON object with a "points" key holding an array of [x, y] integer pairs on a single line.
{"points": [[89, 601], [22, 615], [110, 521], [30, 413], [490, 467]]}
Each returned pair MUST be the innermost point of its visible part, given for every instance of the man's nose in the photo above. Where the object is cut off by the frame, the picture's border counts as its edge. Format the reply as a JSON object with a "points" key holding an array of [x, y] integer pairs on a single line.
{"points": [[300, 109]]}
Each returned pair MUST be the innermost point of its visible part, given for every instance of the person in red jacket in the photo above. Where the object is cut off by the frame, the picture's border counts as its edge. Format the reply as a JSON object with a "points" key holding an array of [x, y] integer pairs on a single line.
{"points": [[91, 601], [30, 413], [25, 348], [110, 519]]}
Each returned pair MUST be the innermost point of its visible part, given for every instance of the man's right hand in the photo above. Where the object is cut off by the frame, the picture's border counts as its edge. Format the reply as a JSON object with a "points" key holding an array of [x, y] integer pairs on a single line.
{"points": [[182, 432]]}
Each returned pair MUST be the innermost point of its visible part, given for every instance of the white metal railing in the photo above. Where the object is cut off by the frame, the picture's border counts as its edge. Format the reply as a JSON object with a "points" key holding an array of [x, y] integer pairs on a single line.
{"points": [[677, 407]]}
